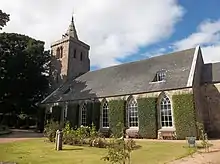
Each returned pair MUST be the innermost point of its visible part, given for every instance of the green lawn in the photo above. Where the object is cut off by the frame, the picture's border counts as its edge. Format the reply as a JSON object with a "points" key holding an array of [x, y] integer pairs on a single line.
{"points": [[37, 151]]}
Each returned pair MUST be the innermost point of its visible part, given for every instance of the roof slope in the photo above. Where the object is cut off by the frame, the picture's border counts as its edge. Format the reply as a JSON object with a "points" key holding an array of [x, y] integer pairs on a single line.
{"points": [[211, 73], [134, 77]]}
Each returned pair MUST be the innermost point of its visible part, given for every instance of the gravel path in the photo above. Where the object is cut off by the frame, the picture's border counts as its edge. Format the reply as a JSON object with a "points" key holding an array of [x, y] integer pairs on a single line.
{"points": [[201, 157], [19, 135]]}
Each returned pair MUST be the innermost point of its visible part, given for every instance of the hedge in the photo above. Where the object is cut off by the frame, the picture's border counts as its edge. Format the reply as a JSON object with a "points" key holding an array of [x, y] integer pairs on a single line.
{"points": [[89, 107], [147, 114], [184, 115], [73, 114], [116, 116], [96, 114], [56, 113]]}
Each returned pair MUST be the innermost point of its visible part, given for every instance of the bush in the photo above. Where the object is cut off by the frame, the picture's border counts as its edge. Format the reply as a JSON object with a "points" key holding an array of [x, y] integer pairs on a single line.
{"points": [[50, 130], [119, 150], [99, 142], [147, 117], [68, 135], [185, 116], [117, 115]]}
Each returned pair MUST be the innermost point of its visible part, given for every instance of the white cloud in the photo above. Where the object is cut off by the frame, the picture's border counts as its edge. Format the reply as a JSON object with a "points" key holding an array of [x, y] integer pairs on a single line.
{"points": [[208, 36], [154, 53], [113, 28]]}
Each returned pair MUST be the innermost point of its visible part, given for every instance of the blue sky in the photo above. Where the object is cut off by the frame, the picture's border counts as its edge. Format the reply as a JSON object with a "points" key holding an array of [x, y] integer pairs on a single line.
{"points": [[196, 11], [118, 31]]}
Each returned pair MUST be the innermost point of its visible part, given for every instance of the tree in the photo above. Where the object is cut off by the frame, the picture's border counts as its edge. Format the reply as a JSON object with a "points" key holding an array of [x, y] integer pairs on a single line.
{"points": [[23, 67], [4, 18]]}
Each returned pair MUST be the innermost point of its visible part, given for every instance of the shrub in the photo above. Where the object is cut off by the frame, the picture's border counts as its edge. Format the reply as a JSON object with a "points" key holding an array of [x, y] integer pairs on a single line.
{"points": [[82, 133], [99, 142], [96, 114], [147, 117], [185, 116], [68, 135], [119, 150], [73, 114], [116, 115], [50, 130], [203, 136], [56, 113]]}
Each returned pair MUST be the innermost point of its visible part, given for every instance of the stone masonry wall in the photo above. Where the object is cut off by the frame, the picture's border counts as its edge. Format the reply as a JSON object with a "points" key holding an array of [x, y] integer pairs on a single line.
{"points": [[211, 102]]}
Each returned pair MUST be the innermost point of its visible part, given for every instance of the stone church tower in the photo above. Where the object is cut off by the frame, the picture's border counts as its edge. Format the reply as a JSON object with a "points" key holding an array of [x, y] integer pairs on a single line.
{"points": [[70, 57]]}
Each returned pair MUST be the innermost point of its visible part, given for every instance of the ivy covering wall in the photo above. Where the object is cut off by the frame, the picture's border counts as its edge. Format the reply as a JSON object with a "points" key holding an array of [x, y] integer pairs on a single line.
{"points": [[89, 108], [96, 114], [184, 115], [73, 114], [147, 113], [56, 113], [116, 116]]}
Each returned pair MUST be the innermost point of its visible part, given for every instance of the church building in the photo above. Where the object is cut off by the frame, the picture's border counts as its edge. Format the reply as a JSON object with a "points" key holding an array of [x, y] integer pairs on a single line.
{"points": [[163, 96]]}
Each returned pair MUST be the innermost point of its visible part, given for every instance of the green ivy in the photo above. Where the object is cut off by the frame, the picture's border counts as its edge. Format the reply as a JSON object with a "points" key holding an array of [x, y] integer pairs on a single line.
{"points": [[116, 116], [184, 115], [73, 114], [56, 113], [147, 113], [96, 114], [89, 107]]}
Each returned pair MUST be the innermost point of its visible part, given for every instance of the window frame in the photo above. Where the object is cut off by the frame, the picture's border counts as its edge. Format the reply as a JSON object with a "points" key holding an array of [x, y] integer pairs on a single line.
{"points": [[81, 115], [107, 113], [166, 111], [135, 113]]}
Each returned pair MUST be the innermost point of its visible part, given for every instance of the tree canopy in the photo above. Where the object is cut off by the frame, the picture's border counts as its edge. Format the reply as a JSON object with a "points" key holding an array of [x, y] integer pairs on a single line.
{"points": [[4, 18], [23, 68]]}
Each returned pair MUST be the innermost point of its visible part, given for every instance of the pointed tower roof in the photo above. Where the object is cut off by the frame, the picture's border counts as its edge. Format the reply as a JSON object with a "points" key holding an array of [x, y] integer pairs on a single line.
{"points": [[72, 30]]}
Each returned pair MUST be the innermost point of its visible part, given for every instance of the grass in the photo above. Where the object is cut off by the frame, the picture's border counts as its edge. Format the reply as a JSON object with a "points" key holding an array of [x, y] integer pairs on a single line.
{"points": [[38, 151]]}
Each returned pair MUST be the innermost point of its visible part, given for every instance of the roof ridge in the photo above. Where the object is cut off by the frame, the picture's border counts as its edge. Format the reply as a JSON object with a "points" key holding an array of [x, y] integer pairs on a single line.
{"points": [[141, 60]]}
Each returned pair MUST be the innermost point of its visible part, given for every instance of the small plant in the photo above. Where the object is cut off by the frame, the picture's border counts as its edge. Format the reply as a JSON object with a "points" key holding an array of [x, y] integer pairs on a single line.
{"points": [[92, 132], [69, 135], [50, 130], [119, 150], [203, 136], [99, 142], [82, 133]]}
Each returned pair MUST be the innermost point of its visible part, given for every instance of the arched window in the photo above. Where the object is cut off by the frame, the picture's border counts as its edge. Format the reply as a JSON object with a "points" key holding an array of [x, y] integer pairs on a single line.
{"points": [[166, 112], [132, 109], [83, 115], [58, 53], [61, 52], [105, 121]]}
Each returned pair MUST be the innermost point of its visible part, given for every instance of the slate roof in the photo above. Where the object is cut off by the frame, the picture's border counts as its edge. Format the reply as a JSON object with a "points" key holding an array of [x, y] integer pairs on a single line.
{"points": [[134, 77], [211, 73]]}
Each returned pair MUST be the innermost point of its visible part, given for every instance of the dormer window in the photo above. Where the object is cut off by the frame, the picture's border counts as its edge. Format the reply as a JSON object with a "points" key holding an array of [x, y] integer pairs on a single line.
{"points": [[160, 76]]}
